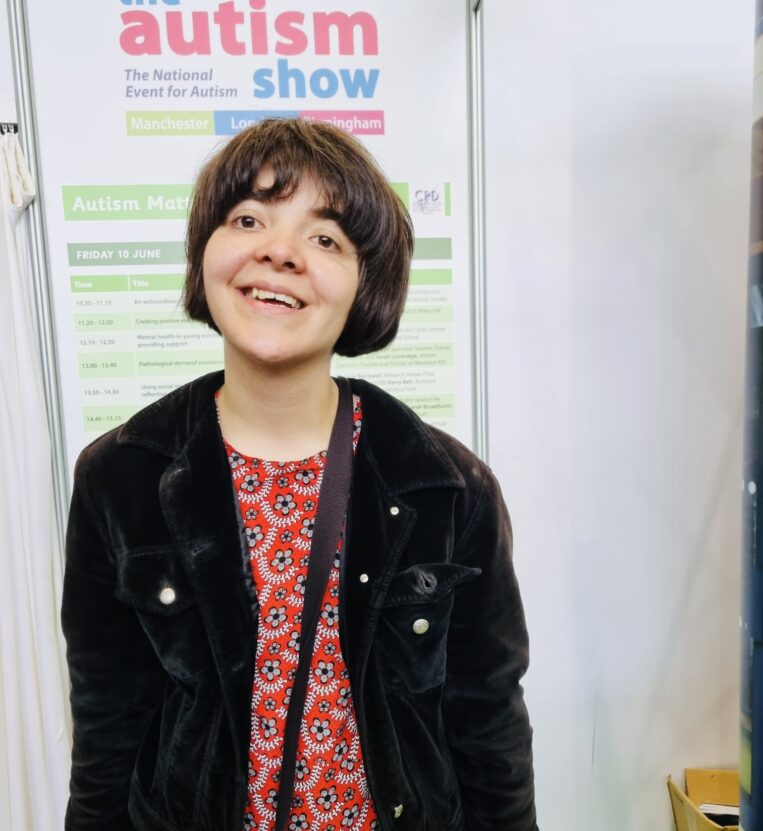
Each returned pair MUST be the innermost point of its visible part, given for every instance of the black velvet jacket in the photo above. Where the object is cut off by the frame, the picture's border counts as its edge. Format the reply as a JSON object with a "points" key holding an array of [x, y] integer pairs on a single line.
{"points": [[161, 692]]}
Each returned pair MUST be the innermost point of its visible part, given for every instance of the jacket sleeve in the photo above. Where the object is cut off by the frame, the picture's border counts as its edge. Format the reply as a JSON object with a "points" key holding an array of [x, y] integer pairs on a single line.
{"points": [[485, 716], [115, 676]]}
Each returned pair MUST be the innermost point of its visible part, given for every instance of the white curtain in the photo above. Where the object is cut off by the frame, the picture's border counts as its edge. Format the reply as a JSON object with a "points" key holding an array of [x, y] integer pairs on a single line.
{"points": [[34, 712]]}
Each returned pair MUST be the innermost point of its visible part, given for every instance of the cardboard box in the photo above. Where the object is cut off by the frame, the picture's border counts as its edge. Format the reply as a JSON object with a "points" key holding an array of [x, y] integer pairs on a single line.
{"points": [[702, 785]]}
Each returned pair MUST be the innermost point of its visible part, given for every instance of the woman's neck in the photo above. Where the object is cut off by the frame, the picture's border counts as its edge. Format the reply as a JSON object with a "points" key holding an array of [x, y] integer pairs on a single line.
{"points": [[280, 415]]}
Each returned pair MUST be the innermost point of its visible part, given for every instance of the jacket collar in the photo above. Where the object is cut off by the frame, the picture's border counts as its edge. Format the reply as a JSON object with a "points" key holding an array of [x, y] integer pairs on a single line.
{"points": [[404, 451]]}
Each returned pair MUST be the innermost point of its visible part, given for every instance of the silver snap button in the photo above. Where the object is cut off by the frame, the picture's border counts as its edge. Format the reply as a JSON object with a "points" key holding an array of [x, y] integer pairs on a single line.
{"points": [[167, 596], [421, 626], [398, 811], [363, 578], [394, 510]]}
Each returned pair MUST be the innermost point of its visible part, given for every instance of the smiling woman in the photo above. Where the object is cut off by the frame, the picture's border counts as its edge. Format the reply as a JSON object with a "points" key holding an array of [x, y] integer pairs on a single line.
{"points": [[289, 603]]}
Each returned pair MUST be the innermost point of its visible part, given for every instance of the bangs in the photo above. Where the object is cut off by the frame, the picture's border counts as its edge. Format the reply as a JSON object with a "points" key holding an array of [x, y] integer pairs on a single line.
{"points": [[343, 183]]}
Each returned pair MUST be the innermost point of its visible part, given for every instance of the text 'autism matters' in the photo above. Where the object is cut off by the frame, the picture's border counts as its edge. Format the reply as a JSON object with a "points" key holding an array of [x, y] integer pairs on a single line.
{"points": [[243, 28]]}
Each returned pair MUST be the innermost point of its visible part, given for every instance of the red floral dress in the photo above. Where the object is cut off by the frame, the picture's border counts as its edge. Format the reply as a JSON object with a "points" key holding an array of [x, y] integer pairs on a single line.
{"points": [[279, 503]]}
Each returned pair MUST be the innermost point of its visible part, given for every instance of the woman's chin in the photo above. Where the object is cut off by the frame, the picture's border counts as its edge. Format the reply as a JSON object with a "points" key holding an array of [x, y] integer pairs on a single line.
{"points": [[273, 357]]}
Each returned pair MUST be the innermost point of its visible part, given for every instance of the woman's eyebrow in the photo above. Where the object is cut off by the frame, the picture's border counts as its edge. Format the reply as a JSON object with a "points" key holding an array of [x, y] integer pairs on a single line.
{"points": [[327, 213]]}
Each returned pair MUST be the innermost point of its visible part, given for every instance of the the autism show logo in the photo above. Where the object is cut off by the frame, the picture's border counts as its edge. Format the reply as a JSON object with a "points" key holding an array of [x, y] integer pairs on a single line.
{"points": [[248, 28]]}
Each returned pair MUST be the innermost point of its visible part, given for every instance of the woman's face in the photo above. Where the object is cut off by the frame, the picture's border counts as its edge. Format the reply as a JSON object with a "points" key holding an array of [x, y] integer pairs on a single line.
{"points": [[280, 278]]}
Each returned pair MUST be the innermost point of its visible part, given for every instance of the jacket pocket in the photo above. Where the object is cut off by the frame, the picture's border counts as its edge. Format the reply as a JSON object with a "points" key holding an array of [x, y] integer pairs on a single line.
{"points": [[413, 625], [153, 583]]}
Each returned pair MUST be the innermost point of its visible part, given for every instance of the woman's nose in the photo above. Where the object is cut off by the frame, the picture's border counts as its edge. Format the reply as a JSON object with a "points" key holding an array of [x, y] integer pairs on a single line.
{"points": [[279, 249]]}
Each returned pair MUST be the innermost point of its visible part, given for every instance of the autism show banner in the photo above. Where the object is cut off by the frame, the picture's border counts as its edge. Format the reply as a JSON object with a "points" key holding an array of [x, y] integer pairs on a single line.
{"points": [[131, 96]]}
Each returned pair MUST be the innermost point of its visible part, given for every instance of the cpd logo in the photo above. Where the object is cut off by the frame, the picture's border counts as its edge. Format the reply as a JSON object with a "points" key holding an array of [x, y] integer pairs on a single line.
{"points": [[428, 201]]}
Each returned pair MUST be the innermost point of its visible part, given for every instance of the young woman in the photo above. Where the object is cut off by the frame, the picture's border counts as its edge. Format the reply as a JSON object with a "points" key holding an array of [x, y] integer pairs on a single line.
{"points": [[289, 603]]}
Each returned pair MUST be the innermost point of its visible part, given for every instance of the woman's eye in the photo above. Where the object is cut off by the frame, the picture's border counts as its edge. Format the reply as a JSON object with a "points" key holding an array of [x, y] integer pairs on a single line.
{"points": [[325, 241], [245, 221]]}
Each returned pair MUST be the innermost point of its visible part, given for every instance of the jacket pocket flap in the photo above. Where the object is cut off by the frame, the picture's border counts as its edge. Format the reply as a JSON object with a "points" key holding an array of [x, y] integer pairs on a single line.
{"points": [[427, 582], [153, 580]]}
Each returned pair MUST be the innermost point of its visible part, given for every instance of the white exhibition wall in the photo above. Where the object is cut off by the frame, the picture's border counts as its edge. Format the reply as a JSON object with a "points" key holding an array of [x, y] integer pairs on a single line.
{"points": [[7, 98], [618, 140], [618, 165]]}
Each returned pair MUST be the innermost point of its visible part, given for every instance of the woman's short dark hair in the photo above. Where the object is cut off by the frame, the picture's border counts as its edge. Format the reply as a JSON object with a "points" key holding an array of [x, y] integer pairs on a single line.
{"points": [[368, 210]]}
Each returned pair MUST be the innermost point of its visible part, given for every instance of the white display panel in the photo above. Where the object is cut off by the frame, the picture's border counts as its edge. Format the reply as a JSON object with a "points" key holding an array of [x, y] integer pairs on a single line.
{"points": [[130, 98]]}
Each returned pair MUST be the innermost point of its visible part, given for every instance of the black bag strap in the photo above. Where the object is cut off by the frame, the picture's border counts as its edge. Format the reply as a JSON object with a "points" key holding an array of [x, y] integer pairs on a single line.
{"points": [[332, 508]]}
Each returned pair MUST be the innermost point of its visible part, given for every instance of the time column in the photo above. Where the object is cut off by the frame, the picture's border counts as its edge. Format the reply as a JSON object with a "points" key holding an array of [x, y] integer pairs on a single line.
{"points": [[103, 323]]}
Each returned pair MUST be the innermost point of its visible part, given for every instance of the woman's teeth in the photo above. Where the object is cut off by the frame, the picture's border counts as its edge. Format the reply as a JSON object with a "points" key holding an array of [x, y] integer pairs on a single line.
{"points": [[261, 294]]}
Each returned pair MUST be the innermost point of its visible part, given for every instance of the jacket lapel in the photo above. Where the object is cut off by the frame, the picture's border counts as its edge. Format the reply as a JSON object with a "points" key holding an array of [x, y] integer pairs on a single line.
{"points": [[397, 455], [201, 511]]}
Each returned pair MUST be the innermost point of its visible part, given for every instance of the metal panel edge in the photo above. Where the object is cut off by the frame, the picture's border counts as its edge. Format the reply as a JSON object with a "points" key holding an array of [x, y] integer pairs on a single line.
{"points": [[477, 222], [22, 72]]}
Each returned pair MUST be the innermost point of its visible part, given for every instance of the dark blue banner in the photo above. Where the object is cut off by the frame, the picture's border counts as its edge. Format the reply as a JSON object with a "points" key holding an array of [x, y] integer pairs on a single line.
{"points": [[751, 755]]}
